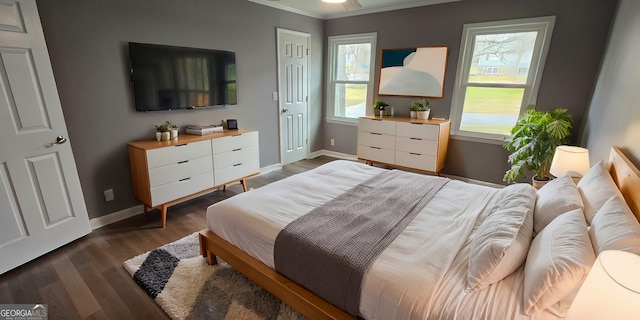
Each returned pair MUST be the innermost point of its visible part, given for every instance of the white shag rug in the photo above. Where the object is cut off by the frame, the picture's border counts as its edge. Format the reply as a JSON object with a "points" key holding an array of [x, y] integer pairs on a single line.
{"points": [[186, 287]]}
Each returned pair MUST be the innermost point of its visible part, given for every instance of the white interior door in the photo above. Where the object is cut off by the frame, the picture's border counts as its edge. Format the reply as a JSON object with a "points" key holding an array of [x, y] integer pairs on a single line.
{"points": [[293, 78], [41, 202]]}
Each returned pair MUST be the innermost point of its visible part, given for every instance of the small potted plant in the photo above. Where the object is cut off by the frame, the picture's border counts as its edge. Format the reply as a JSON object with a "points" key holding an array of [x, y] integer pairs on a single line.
{"points": [[420, 109], [163, 131], [378, 107], [173, 128], [534, 139]]}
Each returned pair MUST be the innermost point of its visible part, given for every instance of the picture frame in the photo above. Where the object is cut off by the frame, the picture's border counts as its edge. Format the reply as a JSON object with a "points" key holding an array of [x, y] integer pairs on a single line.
{"points": [[414, 72]]}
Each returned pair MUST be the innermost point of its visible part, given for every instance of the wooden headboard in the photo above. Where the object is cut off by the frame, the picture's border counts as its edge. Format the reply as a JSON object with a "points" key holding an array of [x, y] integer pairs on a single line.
{"points": [[627, 177]]}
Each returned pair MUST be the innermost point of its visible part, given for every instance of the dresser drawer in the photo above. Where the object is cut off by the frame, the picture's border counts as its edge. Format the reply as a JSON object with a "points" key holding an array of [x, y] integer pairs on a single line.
{"points": [[376, 154], [181, 188], [174, 154], [417, 145], [237, 171], [418, 161], [377, 126], [235, 156], [417, 130], [180, 170], [376, 140], [229, 143]]}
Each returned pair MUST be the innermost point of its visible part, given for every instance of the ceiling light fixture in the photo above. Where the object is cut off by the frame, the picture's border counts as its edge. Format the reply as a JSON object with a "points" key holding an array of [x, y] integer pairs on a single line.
{"points": [[334, 1]]}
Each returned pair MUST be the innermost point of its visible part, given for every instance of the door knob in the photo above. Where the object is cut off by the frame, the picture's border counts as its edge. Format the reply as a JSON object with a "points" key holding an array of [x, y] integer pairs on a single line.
{"points": [[60, 140], [285, 110]]}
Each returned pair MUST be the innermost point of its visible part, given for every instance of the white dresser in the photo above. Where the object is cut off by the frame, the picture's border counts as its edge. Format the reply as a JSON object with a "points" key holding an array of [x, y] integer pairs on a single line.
{"points": [[404, 142], [168, 172]]}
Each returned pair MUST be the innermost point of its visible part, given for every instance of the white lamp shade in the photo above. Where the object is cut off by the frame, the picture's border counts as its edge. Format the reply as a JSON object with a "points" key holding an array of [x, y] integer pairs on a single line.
{"points": [[611, 290], [571, 161]]}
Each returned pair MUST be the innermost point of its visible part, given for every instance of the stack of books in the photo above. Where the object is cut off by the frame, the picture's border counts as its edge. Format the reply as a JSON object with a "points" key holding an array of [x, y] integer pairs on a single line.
{"points": [[204, 130]]}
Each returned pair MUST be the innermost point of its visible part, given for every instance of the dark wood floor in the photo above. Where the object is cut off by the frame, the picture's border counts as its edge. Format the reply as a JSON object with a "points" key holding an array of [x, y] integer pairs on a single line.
{"points": [[85, 279]]}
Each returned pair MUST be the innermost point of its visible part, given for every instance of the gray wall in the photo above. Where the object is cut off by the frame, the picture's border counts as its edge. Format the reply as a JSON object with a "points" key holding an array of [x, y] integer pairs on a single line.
{"points": [[576, 50], [614, 113], [87, 42]]}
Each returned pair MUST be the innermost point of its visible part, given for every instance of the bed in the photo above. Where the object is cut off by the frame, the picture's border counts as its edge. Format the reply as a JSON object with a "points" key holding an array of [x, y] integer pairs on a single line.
{"points": [[472, 265]]}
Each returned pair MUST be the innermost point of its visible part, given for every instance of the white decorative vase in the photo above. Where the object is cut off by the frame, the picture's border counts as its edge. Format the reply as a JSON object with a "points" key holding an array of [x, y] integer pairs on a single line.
{"points": [[158, 135], [380, 113], [174, 134], [413, 115], [423, 114]]}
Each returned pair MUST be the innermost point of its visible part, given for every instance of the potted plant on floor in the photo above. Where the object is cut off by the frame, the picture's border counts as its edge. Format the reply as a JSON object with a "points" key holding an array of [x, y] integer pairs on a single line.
{"points": [[421, 109], [378, 107], [534, 139]]}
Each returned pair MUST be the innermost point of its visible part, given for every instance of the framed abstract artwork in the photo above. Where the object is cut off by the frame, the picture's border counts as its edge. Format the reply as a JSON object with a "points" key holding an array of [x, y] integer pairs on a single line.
{"points": [[417, 72]]}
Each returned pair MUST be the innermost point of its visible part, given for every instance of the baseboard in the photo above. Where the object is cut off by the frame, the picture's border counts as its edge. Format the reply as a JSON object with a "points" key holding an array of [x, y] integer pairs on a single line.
{"points": [[474, 181], [114, 217], [333, 154], [273, 167]]}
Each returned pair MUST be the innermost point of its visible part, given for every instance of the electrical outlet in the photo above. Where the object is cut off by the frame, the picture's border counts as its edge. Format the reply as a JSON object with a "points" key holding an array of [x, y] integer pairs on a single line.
{"points": [[333, 142], [274, 96], [108, 195]]}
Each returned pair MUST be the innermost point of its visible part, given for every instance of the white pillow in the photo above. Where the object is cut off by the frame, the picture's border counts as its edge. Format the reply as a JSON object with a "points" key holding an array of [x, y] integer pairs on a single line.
{"points": [[615, 228], [500, 244], [559, 260], [553, 199], [596, 187]]}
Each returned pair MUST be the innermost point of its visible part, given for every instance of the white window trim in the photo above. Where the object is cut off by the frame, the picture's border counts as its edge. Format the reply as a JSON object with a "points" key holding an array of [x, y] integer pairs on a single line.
{"points": [[544, 25], [333, 41]]}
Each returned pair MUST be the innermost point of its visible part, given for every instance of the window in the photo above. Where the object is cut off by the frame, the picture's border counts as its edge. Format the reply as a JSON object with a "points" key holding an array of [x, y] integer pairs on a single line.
{"points": [[350, 76], [499, 70]]}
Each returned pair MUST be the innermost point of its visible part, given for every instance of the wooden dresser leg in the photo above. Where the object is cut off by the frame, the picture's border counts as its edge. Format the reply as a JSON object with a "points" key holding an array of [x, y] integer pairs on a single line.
{"points": [[243, 182], [145, 209], [164, 215]]}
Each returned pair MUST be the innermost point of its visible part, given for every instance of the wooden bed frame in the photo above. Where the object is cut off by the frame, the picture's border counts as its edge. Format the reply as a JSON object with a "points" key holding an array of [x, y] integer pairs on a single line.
{"points": [[624, 173]]}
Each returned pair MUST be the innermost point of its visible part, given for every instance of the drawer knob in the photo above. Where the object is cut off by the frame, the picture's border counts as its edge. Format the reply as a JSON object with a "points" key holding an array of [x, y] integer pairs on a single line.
{"points": [[415, 138], [181, 145], [185, 179], [181, 162], [237, 164], [234, 150]]}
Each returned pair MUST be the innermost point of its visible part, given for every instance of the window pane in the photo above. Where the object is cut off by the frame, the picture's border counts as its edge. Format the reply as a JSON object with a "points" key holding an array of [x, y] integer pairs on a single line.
{"points": [[352, 62], [350, 100], [491, 110], [502, 58]]}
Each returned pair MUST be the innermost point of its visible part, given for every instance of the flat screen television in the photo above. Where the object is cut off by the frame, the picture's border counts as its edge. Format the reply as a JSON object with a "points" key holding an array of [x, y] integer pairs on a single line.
{"points": [[169, 78]]}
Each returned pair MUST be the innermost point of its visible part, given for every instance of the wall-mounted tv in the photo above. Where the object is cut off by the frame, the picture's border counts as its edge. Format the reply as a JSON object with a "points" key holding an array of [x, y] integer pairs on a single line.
{"points": [[169, 78]]}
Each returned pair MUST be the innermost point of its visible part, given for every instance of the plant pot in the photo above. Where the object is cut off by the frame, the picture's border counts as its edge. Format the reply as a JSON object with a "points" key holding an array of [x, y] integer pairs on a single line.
{"points": [[165, 136], [413, 115], [380, 113], [423, 114], [158, 135], [174, 134], [538, 183]]}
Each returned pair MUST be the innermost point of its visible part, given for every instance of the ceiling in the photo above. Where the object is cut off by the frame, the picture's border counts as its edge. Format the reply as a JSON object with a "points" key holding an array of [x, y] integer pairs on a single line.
{"points": [[322, 10]]}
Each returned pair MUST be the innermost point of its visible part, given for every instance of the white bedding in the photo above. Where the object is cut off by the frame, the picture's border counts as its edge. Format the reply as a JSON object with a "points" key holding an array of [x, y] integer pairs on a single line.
{"points": [[397, 285]]}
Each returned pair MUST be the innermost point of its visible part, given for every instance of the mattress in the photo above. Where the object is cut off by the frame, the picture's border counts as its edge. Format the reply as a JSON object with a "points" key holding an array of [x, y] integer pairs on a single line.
{"points": [[396, 285]]}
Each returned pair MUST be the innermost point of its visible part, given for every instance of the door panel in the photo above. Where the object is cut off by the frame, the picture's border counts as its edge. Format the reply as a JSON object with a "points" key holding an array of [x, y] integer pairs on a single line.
{"points": [[41, 201], [293, 84]]}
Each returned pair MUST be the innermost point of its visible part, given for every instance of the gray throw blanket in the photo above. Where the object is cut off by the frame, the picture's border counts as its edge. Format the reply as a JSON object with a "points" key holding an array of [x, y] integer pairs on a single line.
{"points": [[329, 249]]}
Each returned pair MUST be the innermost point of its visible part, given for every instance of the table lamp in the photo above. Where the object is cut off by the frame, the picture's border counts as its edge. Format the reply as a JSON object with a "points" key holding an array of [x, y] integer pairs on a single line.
{"points": [[611, 290], [571, 161]]}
